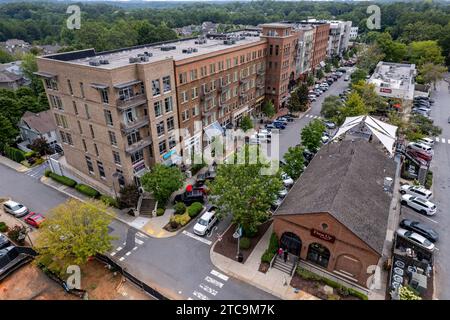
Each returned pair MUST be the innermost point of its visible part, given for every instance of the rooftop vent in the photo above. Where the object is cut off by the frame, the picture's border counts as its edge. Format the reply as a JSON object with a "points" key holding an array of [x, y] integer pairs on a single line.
{"points": [[104, 61], [189, 50], [144, 58], [134, 59], [168, 48], [94, 63], [200, 41], [229, 42]]}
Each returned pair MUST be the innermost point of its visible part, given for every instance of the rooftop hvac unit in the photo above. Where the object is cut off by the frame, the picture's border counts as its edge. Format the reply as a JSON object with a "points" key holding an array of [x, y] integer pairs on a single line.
{"points": [[104, 61], [168, 48], [134, 59], [144, 58], [94, 63]]}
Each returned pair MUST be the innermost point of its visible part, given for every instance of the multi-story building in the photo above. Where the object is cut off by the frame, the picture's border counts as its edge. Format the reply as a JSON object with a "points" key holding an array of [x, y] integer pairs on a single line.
{"points": [[118, 112], [339, 37], [354, 33], [321, 34]]}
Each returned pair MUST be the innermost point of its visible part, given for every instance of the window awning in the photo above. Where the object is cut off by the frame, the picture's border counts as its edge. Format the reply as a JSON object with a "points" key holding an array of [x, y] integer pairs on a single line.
{"points": [[45, 74], [127, 84], [99, 86], [213, 130]]}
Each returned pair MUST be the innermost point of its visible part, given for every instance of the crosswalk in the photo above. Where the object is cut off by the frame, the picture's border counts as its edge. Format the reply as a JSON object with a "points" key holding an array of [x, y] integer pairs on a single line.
{"points": [[313, 116], [442, 140], [37, 172], [210, 286], [196, 237], [126, 249]]}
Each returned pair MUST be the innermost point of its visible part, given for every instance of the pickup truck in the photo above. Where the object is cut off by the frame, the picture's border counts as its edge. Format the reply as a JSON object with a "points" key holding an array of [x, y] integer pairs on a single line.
{"points": [[188, 198]]}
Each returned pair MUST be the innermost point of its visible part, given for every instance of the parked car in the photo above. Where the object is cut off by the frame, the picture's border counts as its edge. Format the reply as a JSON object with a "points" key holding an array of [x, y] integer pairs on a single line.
{"points": [[416, 238], [420, 147], [4, 241], [420, 228], [16, 209], [312, 97], [325, 139], [330, 124], [418, 191], [420, 156], [283, 120], [203, 177], [308, 155], [427, 141], [283, 192], [287, 181], [318, 92], [279, 125], [288, 118], [269, 126], [189, 197], [423, 206], [276, 203], [330, 81], [206, 221], [421, 109], [34, 219], [259, 138], [265, 132]]}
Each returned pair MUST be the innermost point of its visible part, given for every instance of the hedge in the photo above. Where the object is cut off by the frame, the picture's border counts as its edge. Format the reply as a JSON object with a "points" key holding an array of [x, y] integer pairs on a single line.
{"points": [[47, 172], [63, 179], [3, 227], [90, 192], [181, 219], [267, 256], [194, 209], [244, 243], [180, 208], [14, 154], [160, 212], [109, 201]]}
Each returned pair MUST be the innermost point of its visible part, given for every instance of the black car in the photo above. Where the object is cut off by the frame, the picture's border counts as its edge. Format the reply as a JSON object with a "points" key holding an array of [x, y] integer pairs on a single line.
{"points": [[189, 197], [4, 241], [308, 155], [202, 177], [420, 228]]}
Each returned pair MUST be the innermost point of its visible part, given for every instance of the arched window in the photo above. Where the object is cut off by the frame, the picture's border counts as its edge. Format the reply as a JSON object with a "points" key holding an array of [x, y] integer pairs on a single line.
{"points": [[291, 242], [318, 254]]}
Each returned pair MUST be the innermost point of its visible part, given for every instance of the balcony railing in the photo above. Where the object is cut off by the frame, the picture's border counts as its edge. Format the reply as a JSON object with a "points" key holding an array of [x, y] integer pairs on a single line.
{"points": [[135, 124], [144, 142], [132, 101]]}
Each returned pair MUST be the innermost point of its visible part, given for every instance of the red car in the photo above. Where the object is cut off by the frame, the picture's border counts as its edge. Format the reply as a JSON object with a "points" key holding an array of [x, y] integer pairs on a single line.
{"points": [[34, 219], [417, 154]]}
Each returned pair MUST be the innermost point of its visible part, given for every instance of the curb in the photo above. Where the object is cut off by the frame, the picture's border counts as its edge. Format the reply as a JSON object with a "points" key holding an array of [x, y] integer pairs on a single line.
{"points": [[19, 168]]}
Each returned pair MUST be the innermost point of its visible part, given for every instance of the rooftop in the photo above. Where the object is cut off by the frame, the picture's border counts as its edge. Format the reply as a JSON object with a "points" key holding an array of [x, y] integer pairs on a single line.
{"points": [[176, 50], [351, 190], [394, 75], [42, 122]]}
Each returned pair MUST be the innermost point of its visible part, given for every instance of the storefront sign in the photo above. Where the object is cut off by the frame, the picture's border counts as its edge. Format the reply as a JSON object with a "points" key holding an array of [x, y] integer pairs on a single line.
{"points": [[385, 90], [322, 235]]}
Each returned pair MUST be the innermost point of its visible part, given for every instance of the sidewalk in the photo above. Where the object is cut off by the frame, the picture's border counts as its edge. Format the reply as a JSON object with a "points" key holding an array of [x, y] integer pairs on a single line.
{"points": [[12, 164], [272, 281]]}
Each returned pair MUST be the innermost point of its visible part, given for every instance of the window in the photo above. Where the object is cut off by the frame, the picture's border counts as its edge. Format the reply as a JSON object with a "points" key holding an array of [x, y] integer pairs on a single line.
{"points": [[195, 111], [89, 164], [56, 102], [212, 68], [160, 128], [170, 124], [158, 109], [228, 63], [183, 77], [236, 61], [172, 142], [203, 71], [82, 89], [213, 85], [242, 59], [185, 115], [168, 104], [235, 76], [96, 150], [137, 156], [104, 95], [277, 49], [108, 117], [194, 93], [86, 108], [116, 157], [166, 84], [162, 147], [126, 93], [220, 65], [184, 97], [69, 85], [270, 49], [79, 127], [92, 131], [156, 89], [84, 145], [75, 109], [129, 115], [63, 121], [51, 84], [112, 138], [193, 74], [133, 137], [101, 170]]}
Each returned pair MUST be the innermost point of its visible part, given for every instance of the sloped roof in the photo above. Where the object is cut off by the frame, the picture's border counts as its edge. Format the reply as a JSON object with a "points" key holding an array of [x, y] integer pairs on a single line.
{"points": [[6, 76], [346, 180], [42, 122]]}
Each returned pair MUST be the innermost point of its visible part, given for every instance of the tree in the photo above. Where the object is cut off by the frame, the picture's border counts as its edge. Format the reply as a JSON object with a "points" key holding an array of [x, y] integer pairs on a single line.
{"points": [[129, 196], [41, 146], [331, 107], [5, 57], [358, 75], [310, 80], [7, 131], [246, 123], [432, 73], [311, 135], [319, 74], [327, 68], [354, 106], [369, 58], [421, 52], [372, 100], [73, 232], [268, 109], [162, 181], [29, 66], [394, 51], [406, 293], [240, 190], [299, 99], [294, 162]]}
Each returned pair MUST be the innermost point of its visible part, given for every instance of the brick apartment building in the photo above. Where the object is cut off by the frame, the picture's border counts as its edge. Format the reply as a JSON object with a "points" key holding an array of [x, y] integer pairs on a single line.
{"points": [[118, 112]]}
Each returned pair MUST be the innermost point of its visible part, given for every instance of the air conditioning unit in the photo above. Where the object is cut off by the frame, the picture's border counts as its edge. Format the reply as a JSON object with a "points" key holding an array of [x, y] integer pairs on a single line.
{"points": [[104, 61], [144, 58], [94, 63], [134, 59]]}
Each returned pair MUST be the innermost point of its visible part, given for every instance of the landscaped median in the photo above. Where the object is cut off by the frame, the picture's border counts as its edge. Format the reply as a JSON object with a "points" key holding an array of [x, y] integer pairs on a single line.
{"points": [[82, 188], [183, 215]]}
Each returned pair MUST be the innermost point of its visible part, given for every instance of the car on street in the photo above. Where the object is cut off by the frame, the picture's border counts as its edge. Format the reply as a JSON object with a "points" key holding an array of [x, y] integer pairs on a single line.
{"points": [[425, 207], [420, 147], [287, 181], [427, 141], [283, 192], [330, 124], [189, 197], [4, 241], [203, 177], [34, 219], [416, 238], [279, 125], [325, 139], [420, 228], [206, 221], [312, 97], [16, 209], [418, 191], [282, 120], [276, 203]]}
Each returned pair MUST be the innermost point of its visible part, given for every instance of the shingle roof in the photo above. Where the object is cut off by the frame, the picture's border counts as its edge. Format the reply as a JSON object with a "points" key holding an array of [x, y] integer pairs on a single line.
{"points": [[6, 76], [346, 180], [42, 122]]}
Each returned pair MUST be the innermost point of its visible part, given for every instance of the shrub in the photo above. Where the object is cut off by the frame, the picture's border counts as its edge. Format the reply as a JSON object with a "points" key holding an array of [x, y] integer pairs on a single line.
{"points": [[429, 180], [406, 293], [14, 154], [194, 209], [109, 201], [333, 297], [47, 172], [180, 219], [3, 227], [87, 190], [249, 233], [307, 275], [17, 234], [343, 291], [244, 243], [267, 256], [39, 161], [273, 243], [63, 179], [180, 208], [129, 197], [30, 154], [160, 211]]}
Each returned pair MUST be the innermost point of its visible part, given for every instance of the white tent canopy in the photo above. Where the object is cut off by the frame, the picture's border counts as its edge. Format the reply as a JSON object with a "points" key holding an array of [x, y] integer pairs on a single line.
{"points": [[385, 132]]}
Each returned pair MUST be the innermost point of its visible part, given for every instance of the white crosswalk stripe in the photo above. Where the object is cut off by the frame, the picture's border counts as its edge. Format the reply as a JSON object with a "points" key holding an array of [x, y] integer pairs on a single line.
{"points": [[448, 141], [443, 140], [138, 241], [219, 275], [193, 236], [208, 289], [200, 295], [212, 287], [437, 139], [141, 235], [214, 281]]}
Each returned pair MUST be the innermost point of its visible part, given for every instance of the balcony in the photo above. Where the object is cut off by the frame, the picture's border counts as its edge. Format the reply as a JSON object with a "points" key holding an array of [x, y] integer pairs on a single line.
{"points": [[208, 95], [260, 72], [135, 124], [224, 86], [243, 81], [144, 142], [131, 102]]}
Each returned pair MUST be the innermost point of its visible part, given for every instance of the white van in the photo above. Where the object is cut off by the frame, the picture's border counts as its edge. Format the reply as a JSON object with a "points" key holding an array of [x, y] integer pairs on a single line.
{"points": [[206, 222], [420, 147], [427, 141]]}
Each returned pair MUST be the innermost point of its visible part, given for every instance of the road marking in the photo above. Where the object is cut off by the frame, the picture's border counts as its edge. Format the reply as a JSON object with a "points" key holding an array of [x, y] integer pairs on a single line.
{"points": [[135, 248], [423, 216], [437, 139], [219, 275], [214, 281], [443, 140], [121, 259], [193, 236], [128, 253], [113, 254], [190, 298], [208, 289], [448, 141], [119, 248], [138, 241], [141, 235], [200, 295]]}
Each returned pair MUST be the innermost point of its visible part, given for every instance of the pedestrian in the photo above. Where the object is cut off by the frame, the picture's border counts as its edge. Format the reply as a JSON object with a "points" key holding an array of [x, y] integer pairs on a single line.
{"points": [[280, 252], [285, 254]]}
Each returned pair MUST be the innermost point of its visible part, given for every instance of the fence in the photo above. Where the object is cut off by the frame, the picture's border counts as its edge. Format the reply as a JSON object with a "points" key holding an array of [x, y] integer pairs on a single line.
{"points": [[132, 278]]}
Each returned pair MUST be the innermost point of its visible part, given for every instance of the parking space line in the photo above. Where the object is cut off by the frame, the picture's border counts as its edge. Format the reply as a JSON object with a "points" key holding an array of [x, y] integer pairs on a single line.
{"points": [[121, 259], [437, 139], [443, 140], [448, 141], [423, 216]]}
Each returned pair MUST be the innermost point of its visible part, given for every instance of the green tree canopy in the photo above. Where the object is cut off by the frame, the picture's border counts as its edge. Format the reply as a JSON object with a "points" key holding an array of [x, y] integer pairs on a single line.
{"points": [[358, 75], [7, 131], [421, 52], [432, 73], [5, 57], [354, 106], [268, 109], [246, 123], [311, 135], [162, 181], [294, 162], [331, 107], [299, 99]]}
